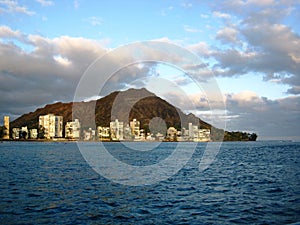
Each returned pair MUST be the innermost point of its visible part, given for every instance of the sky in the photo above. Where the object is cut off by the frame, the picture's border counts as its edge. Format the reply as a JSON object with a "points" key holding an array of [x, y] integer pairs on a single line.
{"points": [[251, 48]]}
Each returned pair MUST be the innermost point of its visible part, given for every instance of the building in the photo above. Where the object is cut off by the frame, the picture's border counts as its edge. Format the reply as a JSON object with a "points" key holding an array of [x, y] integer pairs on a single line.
{"points": [[128, 136], [24, 134], [116, 130], [6, 127], [195, 131], [190, 131], [204, 135], [89, 135], [33, 133], [172, 134], [15, 133], [159, 137], [135, 128], [103, 133], [50, 126], [72, 129]]}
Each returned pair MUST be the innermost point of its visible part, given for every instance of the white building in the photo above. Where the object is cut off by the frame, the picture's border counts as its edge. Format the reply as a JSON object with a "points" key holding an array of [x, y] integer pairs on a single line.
{"points": [[159, 137], [20, 133], [135, 128], [128, 136], [116, 130], [15, 133], [191, 135], [204, 135], [24, 133], [89, 135], [51, 126], [172, 134], [33, 133], [72, 129], [195, 132], [103, 133]]}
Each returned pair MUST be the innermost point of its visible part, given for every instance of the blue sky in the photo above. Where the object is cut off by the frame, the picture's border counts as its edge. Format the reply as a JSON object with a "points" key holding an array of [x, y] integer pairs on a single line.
{"points": [[251, 46]]}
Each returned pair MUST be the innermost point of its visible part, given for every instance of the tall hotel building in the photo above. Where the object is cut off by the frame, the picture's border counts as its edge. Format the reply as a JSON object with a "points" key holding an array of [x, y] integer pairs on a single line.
{"points": [[135, 127], [52, 126], [116, 130], [6, 127]]}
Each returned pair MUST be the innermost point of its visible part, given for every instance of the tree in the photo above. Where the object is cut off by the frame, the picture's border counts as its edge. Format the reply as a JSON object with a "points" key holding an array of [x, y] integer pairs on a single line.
{"points": [[41, 132], [253, 137], [1, 132]]}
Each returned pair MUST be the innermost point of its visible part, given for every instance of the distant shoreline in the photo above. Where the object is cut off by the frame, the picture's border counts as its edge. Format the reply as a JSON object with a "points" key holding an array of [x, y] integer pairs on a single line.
{"points": [[95, 141]]}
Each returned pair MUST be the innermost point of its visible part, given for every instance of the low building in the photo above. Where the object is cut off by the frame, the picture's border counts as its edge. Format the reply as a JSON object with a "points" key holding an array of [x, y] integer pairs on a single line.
{"points": [[128, 136], [172, 134], [33, 133], [159, 137], [204, 135], [24, 133], [15, 133], [72, 130], [103, 133], [20, 133], [89, 135]]}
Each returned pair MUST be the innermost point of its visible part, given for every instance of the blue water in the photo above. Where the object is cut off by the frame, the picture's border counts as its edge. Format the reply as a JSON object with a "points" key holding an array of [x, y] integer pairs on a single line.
{"points": [[248, 183]]}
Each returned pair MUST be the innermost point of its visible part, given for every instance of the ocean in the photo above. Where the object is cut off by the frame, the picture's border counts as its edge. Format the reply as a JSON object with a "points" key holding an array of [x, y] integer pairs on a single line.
{"points": [[247, 183]]}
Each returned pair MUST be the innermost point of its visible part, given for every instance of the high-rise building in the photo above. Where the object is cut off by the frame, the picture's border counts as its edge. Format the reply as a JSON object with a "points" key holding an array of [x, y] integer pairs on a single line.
{"points": [[50, 126], [58, 126], [116, 130], [191, 130], [135, 128], [6, 127]]}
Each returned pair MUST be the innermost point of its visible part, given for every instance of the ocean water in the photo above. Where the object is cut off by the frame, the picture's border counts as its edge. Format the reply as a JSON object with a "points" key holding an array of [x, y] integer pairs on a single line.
{"points": [[248, 183]]}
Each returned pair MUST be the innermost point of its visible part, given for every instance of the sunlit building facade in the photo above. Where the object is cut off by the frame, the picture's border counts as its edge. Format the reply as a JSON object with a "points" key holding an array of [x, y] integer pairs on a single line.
{"points": [[51, 126]]}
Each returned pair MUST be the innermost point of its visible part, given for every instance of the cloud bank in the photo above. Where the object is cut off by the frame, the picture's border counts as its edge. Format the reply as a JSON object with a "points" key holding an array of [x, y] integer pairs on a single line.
{"points": [[256, 38]]}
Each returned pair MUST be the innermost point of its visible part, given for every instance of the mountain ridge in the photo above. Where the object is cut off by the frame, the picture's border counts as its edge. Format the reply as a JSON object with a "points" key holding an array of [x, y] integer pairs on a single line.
{"points": [[123, 105]]}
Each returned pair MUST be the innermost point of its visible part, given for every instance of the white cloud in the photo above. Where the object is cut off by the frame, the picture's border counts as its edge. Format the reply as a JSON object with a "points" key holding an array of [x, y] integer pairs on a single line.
{"points": [[201, 48], [261, 2], [45, 2], [187, 5], [94, 21], [10, 6], [204, 16], [7, 32], [221, 15], [62, 60], [190, 29], [76, 4], [228, 35]]}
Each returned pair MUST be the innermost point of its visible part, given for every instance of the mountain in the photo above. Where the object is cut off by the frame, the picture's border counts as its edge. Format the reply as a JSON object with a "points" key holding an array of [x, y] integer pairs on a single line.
{"points": [[122, 105]]}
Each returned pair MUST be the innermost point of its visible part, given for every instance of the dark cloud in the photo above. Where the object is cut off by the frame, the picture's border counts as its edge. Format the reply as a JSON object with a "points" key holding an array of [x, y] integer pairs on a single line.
{"points": [[38, 70], [259, 40], [269, 118], [50, 72]]}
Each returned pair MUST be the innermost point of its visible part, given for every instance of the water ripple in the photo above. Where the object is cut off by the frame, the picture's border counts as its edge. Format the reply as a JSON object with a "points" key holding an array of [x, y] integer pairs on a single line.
{"points": [[249, 183]]}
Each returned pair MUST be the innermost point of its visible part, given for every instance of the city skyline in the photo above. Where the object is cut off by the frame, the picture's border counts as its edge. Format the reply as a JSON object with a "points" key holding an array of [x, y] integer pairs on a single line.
{"points": [[251, 46], [50, 127]]}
